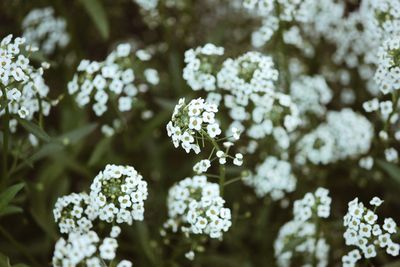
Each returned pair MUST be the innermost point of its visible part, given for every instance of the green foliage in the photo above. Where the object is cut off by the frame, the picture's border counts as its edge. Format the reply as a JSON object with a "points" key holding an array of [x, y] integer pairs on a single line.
{"points": [[97, 13]]}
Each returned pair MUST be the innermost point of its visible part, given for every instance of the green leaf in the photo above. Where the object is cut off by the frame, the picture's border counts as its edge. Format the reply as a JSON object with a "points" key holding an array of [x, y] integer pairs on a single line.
{"points": [[8, 195], [3, 103], [78, 134], [101, 149], [4, 261], [34, 129], [46, 150], [10, 210], [97, 13], [391, 169], [393, 264]]}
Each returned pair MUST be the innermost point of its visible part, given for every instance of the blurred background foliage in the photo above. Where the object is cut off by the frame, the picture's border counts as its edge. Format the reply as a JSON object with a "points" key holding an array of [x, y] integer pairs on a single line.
{"points": [[72, 149]]}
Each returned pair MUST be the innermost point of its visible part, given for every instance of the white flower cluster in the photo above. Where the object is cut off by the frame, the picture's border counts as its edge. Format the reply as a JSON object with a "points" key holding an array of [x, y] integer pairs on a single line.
{"points": [[109, 81], [318, 203], [263, 34], [387, 15], [250, 73], [273, 177], [301, 236], [273, 114], [196, 207], [311, 94], [42, 29], [271, 12], [387, 75], [21, 84], [73, 213], [87, 249], [364, 232], [118, 194], [200, 70], [346, 134], [191, 122]]}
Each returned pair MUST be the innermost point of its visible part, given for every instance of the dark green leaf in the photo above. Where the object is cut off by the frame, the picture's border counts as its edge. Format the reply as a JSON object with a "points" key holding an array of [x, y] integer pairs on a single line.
{"points": [[44, 151], [101, 149], [8, 195], [34, 129], [10, 210], [78, 134], [391, 169], [4, 261], [97, 13], [393, 264]]}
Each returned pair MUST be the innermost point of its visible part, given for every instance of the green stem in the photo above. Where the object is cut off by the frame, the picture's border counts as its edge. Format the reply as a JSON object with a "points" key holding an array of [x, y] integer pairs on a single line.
{"points": [[221, 166], [317, 236], [6, 137], [234, 180]]}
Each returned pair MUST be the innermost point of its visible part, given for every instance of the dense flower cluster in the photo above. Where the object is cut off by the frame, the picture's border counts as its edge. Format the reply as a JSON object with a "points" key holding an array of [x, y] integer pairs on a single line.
{"points": [[313, 204], [118, 194], [250, 73], [303, 231], [109, 81], [364, 231], [42, 29], [191, 122], [311, 94], [388, 72], [73, 213], [292, 76], [200, 70], [195, 207], [346, 134], [87, 249], [273, 177], [21, 84]]}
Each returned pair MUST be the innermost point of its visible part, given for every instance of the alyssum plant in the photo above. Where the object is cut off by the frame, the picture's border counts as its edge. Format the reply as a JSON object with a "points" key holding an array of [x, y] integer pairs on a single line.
{"points": [[281, 132]]}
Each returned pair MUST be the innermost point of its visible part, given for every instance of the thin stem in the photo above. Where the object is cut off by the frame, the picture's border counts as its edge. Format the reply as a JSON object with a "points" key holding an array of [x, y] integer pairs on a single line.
{"points": [[6, 137], [234, 180], [221, 166], [317, 236]]}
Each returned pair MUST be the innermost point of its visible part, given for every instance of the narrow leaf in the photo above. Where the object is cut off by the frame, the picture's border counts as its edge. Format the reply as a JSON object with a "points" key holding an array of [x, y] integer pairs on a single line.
{"points": [[391, 169], [8, 195], [101, 149], [34, 129], [10, 210], [78, 134], [97, 13]]}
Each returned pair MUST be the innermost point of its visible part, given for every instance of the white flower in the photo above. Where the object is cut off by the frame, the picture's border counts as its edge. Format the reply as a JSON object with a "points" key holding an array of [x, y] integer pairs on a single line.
{"points": [[238, 160], [221, 156], [376, 201], [390, 226], [190, 255], [202, 166]]}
